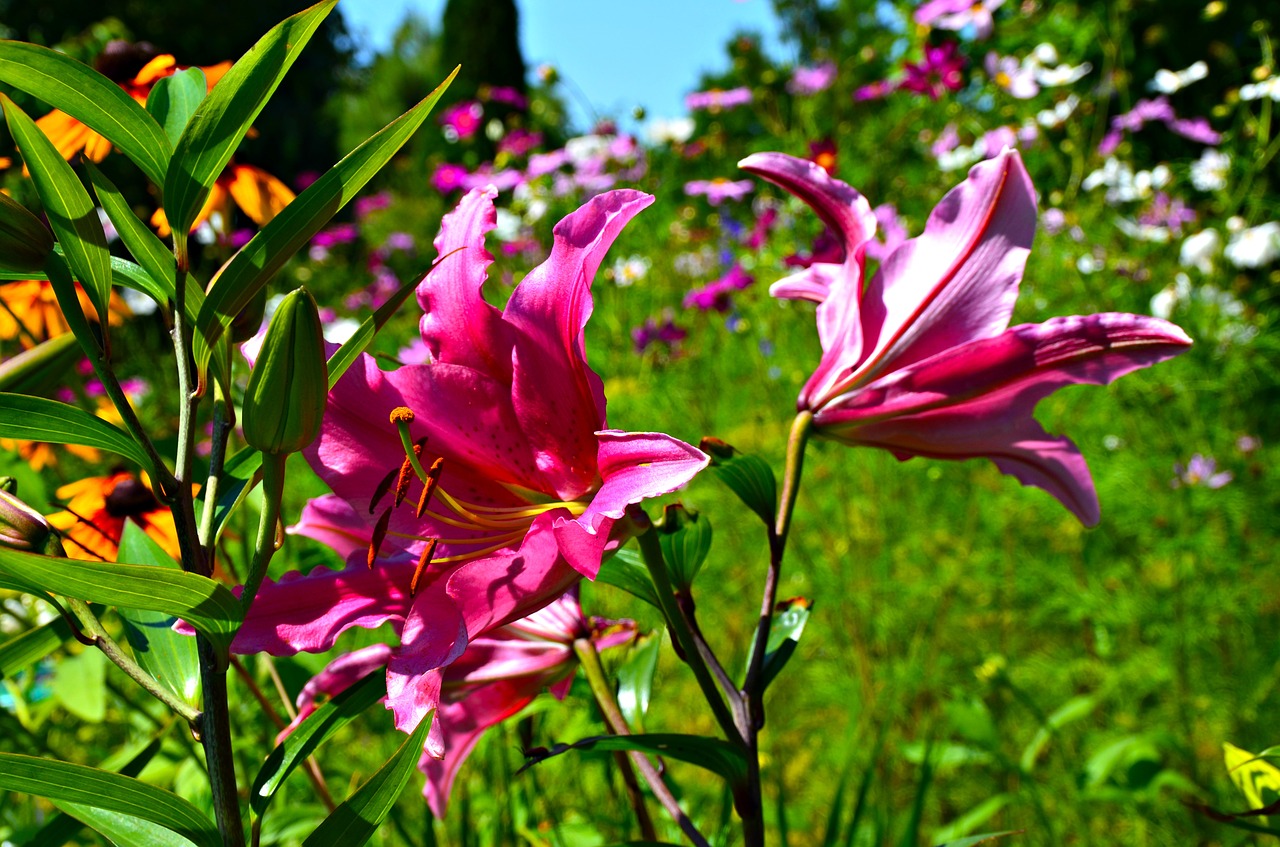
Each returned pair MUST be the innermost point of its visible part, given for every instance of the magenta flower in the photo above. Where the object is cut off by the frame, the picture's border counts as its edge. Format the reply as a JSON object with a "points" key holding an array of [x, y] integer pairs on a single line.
{"points": [[719, 189], [449, 178], [1155, 110], [507, 95], [715, 99], [519, 142], [891, 236], [937, 74], [806, 81], [462, 120], [498, 675], [667, 334], [921, 360], [533, 484], [875, 91], [718, 295]]}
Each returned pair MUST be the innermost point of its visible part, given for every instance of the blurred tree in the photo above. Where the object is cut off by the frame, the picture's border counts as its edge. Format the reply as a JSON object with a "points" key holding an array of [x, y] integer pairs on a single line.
{"points": [[207, 33], [484, 37]]}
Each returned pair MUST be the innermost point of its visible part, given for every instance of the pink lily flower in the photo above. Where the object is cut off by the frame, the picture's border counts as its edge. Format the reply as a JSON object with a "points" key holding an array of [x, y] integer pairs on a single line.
{"points": [[498, 675], [532, 484], [921, 360]]}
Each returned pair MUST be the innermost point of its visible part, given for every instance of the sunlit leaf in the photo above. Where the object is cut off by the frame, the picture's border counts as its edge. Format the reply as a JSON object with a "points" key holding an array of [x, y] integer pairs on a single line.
{"points": [[358, 817], [259, 260], [174, 99], [89, 97], [717, 756], [22, 651], [40, 367], [63, 782], [635, 679], [749, 477], [685, 538], [223, 117], [80, 683], [626, 570], [41, 419], [24, 240], [71, 212]]}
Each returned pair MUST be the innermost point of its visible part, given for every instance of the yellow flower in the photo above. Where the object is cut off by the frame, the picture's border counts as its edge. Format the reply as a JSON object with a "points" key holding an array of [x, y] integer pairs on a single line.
{"points": [[96, 509], [29, 312], [258, 194]]}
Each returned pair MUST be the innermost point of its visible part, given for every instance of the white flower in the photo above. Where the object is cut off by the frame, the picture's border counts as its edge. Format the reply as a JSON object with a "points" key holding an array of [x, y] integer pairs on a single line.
{"points": [[961, 157], [1269, 87], [1254, 247], [630, 270], [1143, 232], [507, 225], [586, 147], [669, 130], [1063, 74], [1163, 304], [1198, 251], [1167, 82], [1209, 172], [339, 330], [1057, 116], [1087, 264]]}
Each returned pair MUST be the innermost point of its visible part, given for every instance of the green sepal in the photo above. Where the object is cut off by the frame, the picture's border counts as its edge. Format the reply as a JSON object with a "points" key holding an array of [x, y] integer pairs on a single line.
{"points": [[749, 477], [685, 538]]}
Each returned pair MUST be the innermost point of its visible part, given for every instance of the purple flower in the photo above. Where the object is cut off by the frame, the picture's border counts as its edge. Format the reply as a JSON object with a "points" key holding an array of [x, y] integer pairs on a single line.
{"points": [[1200, 472], [508, 95], [719, 189], [503, 180], [960, 15], [1053, 221], [718, 295], [806, 81], [1152, 110], [372, 203], [334, 235], [399, 241], [937, 74], [875, 91], [1167, 212], [519, 142], [541, 164], [716, 99], [667, 334], [893, 233]]}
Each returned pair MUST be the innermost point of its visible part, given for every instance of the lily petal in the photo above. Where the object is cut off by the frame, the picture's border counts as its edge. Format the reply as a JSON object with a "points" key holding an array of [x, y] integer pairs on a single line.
{"points": [[558, 398], [331, 520], [977, 399]]}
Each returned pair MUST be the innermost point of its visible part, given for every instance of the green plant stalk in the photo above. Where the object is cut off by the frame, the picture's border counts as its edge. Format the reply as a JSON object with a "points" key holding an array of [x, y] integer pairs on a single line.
{"points": [[651, 550], [748, 798], [265, 543], [223, 419], [603, 692], [112, 650], [215, 726]]}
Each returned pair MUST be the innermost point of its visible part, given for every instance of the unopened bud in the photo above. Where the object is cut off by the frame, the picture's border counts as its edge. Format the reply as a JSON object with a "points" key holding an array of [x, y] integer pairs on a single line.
{"points": [[22, 527], [248, 321], [284, 402], [25, 242]]}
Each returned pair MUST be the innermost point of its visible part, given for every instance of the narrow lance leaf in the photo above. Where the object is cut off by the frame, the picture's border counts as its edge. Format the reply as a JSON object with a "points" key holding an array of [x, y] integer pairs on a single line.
{"points": [[70, 210], [749, 477], [713, 754], [174, 99], [254, 265], [24, 241], [221, 120], [40, 419], [89, 97]]}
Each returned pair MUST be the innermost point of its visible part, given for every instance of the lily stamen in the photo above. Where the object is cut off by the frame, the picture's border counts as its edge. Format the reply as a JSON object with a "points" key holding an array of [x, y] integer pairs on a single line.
{"points": [[379, 533], [423, 561], [402, 416], [433, 480]]}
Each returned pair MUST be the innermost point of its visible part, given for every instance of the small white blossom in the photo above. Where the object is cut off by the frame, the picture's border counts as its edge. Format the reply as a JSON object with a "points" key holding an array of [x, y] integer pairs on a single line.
{"points": [[1063, 74], [1254, 247], [1209, 172], [669, 130], [1199, 250], [630, 270], [1167, 82], [1057, 116], [1269, 87]]}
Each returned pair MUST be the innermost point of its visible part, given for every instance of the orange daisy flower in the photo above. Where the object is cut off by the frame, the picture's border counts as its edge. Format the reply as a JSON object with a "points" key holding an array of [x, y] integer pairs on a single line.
{"points": [[39, 455], [29, 311], [120, 63], [96, 509], [258, 194]]}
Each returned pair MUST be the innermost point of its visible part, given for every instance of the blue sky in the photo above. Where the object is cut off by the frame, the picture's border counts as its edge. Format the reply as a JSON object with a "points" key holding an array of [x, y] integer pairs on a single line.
{"points": [[618, 55]]}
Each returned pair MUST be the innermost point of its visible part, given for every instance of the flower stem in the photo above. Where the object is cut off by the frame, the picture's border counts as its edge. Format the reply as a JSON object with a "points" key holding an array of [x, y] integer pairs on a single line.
{"points": [[265, 544], [749, 798], [124, 662], [223, 419], [651, 550], [603, 691]]}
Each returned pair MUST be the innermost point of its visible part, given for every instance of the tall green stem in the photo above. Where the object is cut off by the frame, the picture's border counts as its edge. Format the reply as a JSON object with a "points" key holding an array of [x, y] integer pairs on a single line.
{"points": [[265, 544]]}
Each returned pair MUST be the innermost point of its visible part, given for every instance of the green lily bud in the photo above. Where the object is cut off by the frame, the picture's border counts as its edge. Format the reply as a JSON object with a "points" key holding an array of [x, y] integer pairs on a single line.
{"points": [[284, 402], [25, 242], [22, 527]]}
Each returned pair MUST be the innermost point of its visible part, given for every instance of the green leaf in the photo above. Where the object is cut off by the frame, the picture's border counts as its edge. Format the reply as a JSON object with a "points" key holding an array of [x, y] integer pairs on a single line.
{"points": [[1072, 710], [68, 206], [64, 288], [90, 98], [314, 731], [80, 682], [784, 636], [257, 262], [685, 538], [167, 655], [220, 122], [40, 419], [39, 368], [749, 477], [145, 246], [360, 340], [635, 678], [626, 570], [24, 240], [19, 653], [719, 757], [972, 819], [124, 273], [173, 100], [979, 839], [358, 817], [63, 782], [207, 605]]}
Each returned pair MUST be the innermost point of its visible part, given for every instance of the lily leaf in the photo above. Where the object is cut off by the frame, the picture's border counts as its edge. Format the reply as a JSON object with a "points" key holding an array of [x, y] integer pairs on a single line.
{"points": [[90, 98], [358, 817], [980, 839], [168, 656], [635, 678], [63, 782], [24, 240], [174, 99], [206, 605], [719, 757], [41, 419], [70, 211], [311, 733], [360, 340], [749, 477], [221, 120], [21, 652], [258, 261], [685, 538], [37, 369], [626, 570]]}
